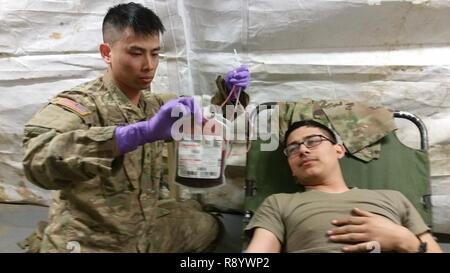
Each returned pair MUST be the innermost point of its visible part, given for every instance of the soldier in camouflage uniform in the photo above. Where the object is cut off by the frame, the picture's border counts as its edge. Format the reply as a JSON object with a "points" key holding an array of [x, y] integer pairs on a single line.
{"points": [[99, 146]]}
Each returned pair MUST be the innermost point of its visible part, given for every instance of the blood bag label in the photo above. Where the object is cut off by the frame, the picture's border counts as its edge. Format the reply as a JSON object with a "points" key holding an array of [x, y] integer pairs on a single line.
{"points": [[200, 158]]}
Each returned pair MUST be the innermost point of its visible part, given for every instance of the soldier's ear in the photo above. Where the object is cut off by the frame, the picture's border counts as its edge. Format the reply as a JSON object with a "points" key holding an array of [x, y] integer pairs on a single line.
{"points": [[340, 150], [105, 51]]}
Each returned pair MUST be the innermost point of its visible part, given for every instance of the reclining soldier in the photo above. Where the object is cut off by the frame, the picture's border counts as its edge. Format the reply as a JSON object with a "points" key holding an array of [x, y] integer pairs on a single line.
{"points": [[328, 216]]}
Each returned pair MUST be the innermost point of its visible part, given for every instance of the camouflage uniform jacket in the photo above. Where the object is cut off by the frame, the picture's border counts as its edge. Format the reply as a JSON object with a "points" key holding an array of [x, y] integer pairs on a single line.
{"points": [[102, 202], [360, 126]]}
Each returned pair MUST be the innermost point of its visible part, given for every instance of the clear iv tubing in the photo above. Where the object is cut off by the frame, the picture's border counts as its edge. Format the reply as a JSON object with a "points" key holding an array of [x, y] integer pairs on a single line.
{"points": [[233, 91]]}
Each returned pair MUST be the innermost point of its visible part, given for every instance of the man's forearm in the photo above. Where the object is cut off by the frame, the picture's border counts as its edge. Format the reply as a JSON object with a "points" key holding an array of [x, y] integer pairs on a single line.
{"points": [[52, 160]]}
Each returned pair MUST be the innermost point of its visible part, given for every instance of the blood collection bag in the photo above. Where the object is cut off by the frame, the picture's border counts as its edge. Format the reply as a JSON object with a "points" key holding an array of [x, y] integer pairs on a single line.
{"points": [[201, 159]]}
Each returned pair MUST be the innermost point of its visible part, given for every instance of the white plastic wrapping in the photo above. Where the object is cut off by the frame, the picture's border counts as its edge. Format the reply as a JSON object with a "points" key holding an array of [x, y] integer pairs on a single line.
{"points": [[394, 53]]}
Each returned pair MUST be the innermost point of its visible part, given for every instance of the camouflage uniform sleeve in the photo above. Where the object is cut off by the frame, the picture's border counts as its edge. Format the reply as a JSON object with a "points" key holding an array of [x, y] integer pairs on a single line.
{"points": [[222, 94], [163, 98], [60, 148]]}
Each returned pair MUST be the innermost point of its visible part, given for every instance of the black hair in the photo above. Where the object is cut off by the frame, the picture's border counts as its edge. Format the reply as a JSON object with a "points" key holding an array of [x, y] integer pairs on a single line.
{"points": [[135, 16], [309, 123]]}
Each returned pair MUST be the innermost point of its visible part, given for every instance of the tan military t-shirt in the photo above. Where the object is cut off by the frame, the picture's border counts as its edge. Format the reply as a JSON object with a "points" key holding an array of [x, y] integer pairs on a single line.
{"points": [[300, 220]]}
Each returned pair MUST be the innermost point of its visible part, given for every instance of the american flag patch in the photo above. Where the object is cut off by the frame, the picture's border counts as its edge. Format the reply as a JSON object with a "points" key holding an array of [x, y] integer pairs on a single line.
{"points": [[72, 105]]}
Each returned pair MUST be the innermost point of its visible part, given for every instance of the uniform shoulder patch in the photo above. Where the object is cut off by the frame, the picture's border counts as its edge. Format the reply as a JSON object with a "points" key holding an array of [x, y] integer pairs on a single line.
{"points": [[72, 105]]}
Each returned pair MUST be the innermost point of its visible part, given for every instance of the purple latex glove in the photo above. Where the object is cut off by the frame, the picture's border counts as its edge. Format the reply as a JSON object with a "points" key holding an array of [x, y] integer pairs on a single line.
{"points": [[131, 136], [239, 77]]}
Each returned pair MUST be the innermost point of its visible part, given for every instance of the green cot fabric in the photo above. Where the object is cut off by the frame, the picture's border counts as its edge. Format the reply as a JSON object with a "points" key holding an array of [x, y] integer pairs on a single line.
{"points": [[398, 168]]}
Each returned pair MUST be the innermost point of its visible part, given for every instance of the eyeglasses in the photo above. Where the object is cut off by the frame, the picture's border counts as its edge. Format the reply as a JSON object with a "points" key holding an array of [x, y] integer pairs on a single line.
{"points": [[309, 141]]}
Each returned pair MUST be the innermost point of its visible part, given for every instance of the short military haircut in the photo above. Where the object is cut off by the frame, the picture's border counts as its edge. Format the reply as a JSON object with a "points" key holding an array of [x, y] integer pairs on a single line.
{"points": [[131, 15], [310, 123]]}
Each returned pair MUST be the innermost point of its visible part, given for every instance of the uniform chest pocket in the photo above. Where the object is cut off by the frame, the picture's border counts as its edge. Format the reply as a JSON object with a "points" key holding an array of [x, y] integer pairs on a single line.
{"points": [[125, 176], [132, 166], [119, 181]]}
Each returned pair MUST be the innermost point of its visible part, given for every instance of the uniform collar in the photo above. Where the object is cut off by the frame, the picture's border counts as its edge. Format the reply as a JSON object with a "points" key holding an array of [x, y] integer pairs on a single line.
{"points": [[131, 112]]}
